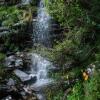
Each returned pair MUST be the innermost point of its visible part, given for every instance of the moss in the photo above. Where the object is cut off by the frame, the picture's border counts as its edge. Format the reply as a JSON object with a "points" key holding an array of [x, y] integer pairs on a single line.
{"points": [[2, 56]]}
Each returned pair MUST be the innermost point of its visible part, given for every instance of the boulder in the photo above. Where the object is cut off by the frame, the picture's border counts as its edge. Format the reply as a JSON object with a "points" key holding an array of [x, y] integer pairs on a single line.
{"points": [[13, 62], [27, 93], [10, 61], [24, 77], [6, 92], [19, 62], [11, 82]]}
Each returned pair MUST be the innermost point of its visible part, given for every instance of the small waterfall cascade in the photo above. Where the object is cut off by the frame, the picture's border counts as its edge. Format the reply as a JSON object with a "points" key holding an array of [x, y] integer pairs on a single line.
{"points": [[42, 26], [41, 35], [40, 67]]}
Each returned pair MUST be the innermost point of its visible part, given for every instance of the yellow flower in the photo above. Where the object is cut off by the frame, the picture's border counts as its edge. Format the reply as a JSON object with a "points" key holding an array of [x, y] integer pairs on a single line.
{"points": [[85, 76]]}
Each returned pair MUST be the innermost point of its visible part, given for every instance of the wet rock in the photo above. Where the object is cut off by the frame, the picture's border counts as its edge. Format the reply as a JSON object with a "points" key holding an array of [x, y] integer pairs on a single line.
{"points": [[18, 54], [54, 69], [10, 54], [18, 62], [10, 61], [2, 34], [24, 77], [4, 29], [27, 89], [13, 62], [4, 88], [27, 92], [11, 82], [8, 98], [6, 91]]}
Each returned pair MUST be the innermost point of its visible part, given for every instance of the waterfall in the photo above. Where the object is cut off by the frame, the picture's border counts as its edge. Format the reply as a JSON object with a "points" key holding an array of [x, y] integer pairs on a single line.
{"points": [[41, 35], [42, 26], [40, 68]]}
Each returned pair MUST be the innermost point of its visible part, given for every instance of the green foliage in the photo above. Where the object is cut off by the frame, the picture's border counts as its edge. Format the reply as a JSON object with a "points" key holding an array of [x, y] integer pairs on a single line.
{"points": [[81, 36], [9, 15], [81, 43], [88, 90], [76, 92], [57, 95], [2, 56], [91, 88], [68, 13]]}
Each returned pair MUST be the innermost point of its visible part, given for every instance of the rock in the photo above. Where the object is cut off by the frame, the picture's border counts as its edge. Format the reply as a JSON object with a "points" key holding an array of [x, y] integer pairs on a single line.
{"points": [[4, 29], [33, 79], [19, 63], [8, 98], [18, 54], [27, 89], [6, 91], [4, 33], [4, 88], [54, 69], [27, 93], [10, 61], [10, 54], [24, 77], [11, 82], [17, 60], [22, 55]]}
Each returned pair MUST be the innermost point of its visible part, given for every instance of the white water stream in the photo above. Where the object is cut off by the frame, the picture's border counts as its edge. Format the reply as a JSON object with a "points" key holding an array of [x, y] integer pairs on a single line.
{"points": [[41, 36], [40, 65], [42, 26]]}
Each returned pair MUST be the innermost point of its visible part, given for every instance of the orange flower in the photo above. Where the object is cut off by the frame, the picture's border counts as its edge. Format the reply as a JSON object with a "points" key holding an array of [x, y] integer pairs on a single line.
{"points": [[85, 76]]}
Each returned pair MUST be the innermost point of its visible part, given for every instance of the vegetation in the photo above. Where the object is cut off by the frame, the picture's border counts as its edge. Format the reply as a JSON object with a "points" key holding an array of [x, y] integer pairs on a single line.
{"points": [[80, 23], [80, 46]]}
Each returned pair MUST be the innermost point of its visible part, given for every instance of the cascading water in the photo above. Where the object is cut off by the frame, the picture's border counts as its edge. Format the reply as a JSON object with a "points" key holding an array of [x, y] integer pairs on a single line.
{"points": [[42, 26], [41, 35], [40, 68]]}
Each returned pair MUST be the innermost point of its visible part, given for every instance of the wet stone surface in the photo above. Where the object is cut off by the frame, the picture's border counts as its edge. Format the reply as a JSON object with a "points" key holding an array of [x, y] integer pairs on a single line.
{"points": [[13, 89]]}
